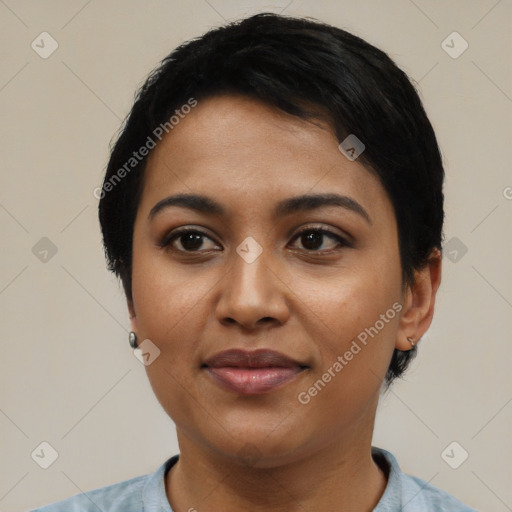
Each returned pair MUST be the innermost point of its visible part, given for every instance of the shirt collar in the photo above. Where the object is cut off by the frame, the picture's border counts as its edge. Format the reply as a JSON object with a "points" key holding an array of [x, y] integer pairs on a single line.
{"points": [[154, 497], [392, 497]]}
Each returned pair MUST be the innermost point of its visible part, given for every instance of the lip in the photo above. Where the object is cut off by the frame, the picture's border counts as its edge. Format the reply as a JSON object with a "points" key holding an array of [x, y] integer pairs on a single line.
{"points": [[252, 372]]}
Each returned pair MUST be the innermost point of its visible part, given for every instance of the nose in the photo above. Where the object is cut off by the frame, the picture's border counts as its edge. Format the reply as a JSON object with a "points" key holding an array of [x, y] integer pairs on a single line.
{"points": [[253, 294]]}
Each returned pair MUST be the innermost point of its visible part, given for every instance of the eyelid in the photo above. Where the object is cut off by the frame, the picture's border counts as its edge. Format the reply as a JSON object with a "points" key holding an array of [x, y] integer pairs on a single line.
{"points": [[344, 240], [175, 233]]}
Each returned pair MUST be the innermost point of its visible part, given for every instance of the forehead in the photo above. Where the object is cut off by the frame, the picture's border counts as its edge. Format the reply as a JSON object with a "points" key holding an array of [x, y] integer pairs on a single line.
{"points": [[237, 147]]}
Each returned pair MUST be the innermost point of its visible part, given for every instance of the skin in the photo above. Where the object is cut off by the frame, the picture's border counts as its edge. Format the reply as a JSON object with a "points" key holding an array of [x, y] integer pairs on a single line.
{"points": [[270, 452]]}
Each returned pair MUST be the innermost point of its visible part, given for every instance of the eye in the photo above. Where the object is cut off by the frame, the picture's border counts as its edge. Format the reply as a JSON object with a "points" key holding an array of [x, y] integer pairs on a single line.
{"points": [[190, 240], [312, 239], [193, 240]]}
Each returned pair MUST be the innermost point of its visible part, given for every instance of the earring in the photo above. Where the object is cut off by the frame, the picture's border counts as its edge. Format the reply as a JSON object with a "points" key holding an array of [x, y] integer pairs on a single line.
{"points": [[132, 338], [411, 341]]}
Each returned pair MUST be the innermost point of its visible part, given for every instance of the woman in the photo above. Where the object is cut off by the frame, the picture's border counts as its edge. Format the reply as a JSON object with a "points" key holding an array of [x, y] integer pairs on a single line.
{"points": [[274, 209]]}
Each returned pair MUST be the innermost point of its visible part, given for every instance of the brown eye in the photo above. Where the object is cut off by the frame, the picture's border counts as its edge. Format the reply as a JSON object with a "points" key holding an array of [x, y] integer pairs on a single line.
{"points": [[190, 240], [312, 239]]}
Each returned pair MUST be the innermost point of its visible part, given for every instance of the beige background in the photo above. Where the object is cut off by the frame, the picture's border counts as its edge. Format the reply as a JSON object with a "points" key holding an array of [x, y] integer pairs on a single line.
{"points": [[68, 376]]}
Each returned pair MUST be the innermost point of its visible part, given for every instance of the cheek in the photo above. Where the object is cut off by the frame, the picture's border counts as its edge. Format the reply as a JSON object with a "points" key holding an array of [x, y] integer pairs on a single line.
{"points": [[356, 317], [171, 313], [352, 300], [167, 297], [174, 310]]}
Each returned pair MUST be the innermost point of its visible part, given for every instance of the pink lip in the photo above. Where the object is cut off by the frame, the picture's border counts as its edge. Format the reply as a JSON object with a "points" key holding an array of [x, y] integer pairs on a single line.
{"points": [[252, 373]]}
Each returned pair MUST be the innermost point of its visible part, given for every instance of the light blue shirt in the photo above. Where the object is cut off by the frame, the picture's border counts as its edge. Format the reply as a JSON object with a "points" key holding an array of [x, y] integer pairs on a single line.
{"points": [[404, 493]]}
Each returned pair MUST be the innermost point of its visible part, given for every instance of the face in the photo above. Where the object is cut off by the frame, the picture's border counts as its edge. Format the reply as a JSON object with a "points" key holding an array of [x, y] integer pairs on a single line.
{"points": [[305, 295]]}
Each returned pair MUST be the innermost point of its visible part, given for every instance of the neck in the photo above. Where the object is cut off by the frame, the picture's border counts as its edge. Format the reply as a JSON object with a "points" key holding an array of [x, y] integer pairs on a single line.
{"points": [[339, 476]]}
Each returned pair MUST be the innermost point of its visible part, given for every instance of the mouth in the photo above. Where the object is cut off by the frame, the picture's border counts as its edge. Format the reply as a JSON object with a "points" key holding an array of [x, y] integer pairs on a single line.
{"points": [[252, 372]]}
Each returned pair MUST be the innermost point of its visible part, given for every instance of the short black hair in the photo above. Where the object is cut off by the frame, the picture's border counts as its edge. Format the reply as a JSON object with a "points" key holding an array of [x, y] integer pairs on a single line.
{"points": [[309, 69]]}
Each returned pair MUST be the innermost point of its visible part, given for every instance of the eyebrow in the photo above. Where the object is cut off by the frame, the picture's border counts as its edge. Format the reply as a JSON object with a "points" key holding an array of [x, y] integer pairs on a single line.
{"points": [[306, 202]]}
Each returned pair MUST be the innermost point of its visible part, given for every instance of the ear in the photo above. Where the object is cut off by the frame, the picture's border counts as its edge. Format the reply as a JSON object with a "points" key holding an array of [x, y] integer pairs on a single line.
{"points": [[133, 316], [419, 300]]}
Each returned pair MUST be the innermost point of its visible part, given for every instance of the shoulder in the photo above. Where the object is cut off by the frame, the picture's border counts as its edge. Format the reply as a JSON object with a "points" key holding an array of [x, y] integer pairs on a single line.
{"points": [[423, 496], [412, 494], [124, 496]]}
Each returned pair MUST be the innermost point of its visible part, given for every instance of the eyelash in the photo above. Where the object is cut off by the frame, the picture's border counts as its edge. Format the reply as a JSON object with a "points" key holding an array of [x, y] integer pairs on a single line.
{"points": [[168, 239]]}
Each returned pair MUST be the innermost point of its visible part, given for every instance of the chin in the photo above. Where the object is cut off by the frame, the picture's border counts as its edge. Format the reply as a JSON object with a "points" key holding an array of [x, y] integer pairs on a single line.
{"points": [[251, 445]]}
